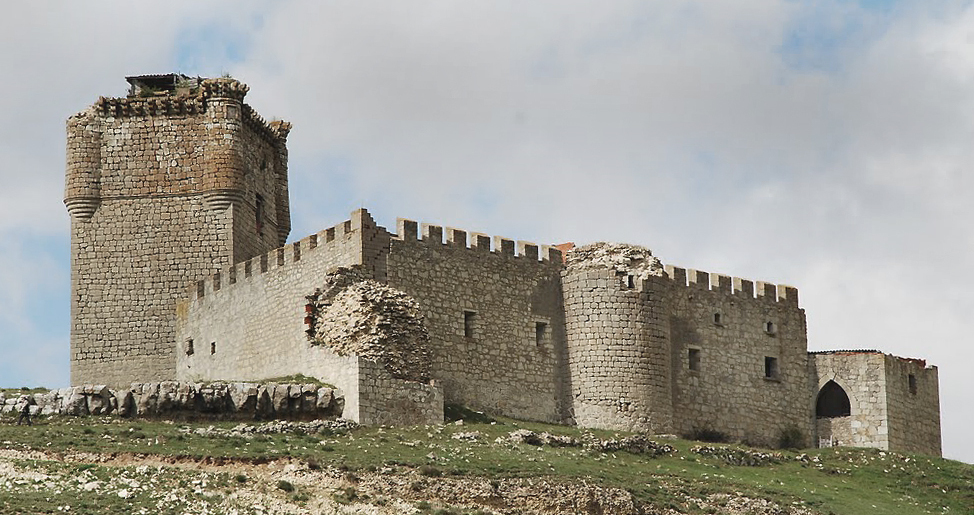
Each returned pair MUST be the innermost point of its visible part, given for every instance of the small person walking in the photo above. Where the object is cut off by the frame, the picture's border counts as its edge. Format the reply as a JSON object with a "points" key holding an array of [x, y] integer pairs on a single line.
{"points": [[25, 412]]}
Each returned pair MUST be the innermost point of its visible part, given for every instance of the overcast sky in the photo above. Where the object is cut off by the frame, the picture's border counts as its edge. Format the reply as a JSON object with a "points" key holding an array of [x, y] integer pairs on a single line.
{"points": [[824, 144]]}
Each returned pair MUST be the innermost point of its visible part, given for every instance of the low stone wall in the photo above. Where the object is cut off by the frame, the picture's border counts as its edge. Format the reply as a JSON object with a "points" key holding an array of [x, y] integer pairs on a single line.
{"points": [[170, 399]]}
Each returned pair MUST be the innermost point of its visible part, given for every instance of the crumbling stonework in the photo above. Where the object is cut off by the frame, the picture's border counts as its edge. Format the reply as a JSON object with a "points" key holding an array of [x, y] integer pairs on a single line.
{"points": [[623, 259], [373, 321], [191, 185]]}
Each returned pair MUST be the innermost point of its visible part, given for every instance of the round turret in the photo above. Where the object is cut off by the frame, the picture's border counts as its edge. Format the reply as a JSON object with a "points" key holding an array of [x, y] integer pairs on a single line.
{"points": [[618, 338], [82, 186]]}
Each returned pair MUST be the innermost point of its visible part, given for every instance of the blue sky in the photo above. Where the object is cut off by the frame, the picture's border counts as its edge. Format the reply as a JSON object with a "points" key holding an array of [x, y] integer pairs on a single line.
{"points": [[821, 144]]}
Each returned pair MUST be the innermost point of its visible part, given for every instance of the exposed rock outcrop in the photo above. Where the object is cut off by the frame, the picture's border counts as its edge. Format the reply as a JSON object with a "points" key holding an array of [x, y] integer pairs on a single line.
{"points": [[171, 399]]}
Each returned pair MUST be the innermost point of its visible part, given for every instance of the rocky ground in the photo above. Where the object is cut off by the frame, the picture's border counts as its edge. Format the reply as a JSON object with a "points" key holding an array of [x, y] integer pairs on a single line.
{"points": [[150, 484], [474, 465]]}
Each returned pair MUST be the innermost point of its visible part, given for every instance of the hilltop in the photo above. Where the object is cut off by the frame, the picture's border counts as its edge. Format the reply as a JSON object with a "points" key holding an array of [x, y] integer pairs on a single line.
{"points": [[472, 465]]}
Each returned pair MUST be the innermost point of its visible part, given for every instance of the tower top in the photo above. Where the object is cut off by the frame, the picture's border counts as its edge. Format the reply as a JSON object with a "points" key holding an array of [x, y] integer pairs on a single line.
{"points": [[162, 84]]}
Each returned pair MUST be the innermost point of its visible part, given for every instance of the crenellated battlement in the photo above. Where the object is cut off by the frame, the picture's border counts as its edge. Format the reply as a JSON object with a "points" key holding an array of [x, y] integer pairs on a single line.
{"points": [[744, 288], [191, 103], [277, 129], [279, 258], [431, 234]]}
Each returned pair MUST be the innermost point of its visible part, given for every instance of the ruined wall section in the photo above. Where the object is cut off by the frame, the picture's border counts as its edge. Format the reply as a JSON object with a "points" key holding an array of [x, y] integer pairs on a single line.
{"points": [[913, 404], [619, 350], [494, 316], [739, 356], [862, 376]]}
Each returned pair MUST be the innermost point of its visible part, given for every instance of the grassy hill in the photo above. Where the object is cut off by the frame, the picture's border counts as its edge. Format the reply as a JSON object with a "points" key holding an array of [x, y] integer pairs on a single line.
{"points": [[475, 466]]}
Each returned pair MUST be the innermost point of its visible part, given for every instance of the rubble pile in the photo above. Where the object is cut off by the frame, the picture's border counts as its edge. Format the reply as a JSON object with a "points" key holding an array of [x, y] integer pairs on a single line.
{"points": [[625, 259], [371, 320], [635, 444], [738, 457]]}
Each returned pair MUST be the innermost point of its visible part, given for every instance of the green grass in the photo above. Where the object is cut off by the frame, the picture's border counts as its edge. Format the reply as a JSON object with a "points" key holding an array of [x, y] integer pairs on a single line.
{"points": [[840, 481], [295, 379]]}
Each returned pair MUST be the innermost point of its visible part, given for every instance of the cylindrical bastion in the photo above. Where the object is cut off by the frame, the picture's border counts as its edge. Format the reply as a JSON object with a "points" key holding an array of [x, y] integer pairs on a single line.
{"points": [[618, 338]]}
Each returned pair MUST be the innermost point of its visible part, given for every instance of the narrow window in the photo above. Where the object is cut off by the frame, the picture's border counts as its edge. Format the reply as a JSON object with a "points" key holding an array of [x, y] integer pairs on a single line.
{"points": [[630, 281], [717, 318], [693, 359], [770, 367], [913, 384], [189, 346], [259, 214], [212, 347], [539, 332], [469, 319], [769, 328]]}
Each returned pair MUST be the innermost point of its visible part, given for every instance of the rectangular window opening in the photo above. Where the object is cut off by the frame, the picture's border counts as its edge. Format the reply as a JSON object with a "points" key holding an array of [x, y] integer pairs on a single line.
{"points": [[913, 384], [259, 213], [770, 367], [693, 359], [189, 346], [212, 347], [540, 328], [469, 321]]}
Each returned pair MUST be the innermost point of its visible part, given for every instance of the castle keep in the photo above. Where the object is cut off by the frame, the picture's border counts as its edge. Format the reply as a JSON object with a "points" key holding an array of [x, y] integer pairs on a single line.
{"points": [[181, 271]]}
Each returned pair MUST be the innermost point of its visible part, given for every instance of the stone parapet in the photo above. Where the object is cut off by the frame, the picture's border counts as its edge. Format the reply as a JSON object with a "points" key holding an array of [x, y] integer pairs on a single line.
{"points": [[432, 234], [738, 287]]}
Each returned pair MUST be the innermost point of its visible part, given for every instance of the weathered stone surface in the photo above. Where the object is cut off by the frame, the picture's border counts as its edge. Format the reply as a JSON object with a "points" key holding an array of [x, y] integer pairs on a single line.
{"points": [[622, 258], [373, 321], [172, 399]]}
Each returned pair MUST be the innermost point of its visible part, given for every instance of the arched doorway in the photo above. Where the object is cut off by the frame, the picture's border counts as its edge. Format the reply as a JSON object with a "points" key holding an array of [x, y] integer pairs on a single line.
{"points": [[832, 402]]}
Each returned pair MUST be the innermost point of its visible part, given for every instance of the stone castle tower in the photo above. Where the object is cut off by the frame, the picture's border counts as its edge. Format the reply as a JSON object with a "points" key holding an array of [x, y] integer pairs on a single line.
{"points": [[177, 180]]}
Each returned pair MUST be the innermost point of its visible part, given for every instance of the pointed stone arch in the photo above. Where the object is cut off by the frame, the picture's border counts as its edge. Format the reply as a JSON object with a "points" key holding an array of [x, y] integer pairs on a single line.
{"points": [[832, 401]]}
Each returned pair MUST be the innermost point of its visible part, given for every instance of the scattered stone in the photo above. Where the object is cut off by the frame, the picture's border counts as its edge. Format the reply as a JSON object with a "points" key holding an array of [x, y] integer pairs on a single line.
{"points": [[739, 457], [636, 444]]}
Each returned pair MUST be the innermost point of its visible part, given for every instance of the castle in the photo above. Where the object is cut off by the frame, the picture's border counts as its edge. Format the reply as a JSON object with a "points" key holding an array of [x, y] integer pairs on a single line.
{"points": [[180, 270]]}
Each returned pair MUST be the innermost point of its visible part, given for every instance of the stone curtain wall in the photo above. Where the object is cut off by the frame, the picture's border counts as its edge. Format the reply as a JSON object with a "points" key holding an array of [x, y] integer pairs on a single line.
{"points": [[501, 367], [156, 188], [863, 378], [914, 414], [247, 321], [388, 401], [618, 351], [730, 392]]}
